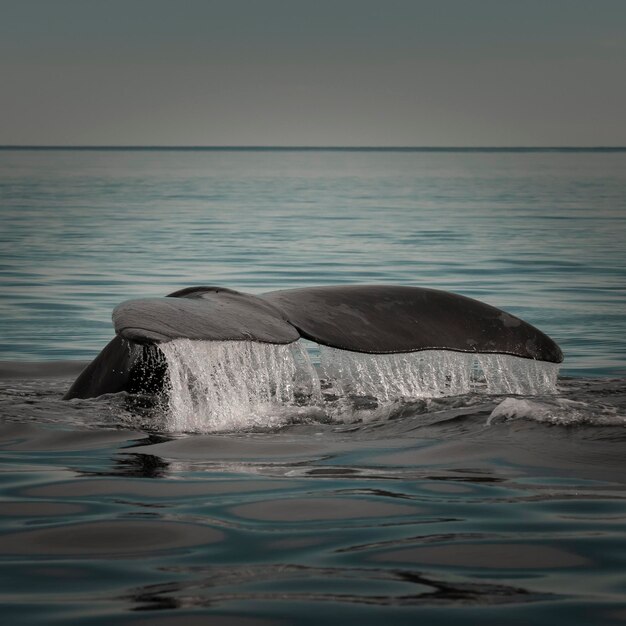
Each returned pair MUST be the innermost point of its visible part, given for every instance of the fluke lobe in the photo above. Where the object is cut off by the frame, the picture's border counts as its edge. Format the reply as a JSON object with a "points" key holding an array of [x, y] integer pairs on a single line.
{"points": [[374, 319]]}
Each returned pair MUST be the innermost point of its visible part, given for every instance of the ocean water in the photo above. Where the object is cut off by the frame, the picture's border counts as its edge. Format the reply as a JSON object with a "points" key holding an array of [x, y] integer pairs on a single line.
{"points": [[345, 503]]}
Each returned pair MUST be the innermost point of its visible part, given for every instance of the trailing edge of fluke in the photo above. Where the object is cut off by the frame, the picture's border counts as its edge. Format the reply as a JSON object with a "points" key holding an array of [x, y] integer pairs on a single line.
{"points": [[374, 319]]}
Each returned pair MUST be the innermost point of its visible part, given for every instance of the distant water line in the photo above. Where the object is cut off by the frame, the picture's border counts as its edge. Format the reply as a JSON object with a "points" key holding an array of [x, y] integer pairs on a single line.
{"points": [[260, 148]]}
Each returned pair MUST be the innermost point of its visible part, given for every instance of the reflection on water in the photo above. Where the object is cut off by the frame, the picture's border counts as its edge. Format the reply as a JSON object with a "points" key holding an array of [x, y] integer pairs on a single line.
{"points": [[397, 517], [109, 538]]}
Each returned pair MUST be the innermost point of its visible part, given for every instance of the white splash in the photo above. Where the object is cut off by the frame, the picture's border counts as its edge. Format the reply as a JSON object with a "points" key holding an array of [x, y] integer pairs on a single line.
{"points": [[230, 385], [435, 373], [226, 385], [557, 411]]}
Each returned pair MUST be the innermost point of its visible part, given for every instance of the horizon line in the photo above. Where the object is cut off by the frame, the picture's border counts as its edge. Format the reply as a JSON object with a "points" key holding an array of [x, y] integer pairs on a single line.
{"points": [[307, 148]]}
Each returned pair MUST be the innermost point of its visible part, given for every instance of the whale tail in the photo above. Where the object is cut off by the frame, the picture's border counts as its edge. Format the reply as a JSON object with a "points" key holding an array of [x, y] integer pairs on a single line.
{"points": [[372, 319]]}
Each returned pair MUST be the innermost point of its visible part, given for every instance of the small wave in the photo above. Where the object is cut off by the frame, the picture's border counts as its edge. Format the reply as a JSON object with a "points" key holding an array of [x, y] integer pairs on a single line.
{"points": [[559, 411], [40, 369]]}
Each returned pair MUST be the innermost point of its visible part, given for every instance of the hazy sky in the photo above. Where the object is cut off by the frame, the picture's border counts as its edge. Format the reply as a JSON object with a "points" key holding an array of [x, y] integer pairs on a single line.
{"points": [[313, 72]]}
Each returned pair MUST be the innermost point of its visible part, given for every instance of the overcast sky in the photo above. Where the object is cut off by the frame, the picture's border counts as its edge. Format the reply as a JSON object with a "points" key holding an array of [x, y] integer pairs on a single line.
{"points": [[313, 72]]}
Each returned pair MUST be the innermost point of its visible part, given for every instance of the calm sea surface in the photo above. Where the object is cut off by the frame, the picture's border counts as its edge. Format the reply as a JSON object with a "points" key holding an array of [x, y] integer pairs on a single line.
{"points": [[474, 509]]}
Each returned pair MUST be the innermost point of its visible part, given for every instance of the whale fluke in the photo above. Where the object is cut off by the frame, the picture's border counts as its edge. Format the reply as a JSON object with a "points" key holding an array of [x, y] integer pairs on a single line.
{"points": [[207, 313], [380, 319], [375, 319]]}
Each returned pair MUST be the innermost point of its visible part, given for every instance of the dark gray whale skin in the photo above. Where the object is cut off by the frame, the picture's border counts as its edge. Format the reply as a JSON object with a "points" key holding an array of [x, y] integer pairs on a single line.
{"points": [[381, 319], [121, 366], [374, 319]]}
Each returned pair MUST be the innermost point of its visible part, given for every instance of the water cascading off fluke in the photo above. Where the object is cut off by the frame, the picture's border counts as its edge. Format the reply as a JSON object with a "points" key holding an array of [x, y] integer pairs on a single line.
{"points": [[435, 373], [226, 385]]}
